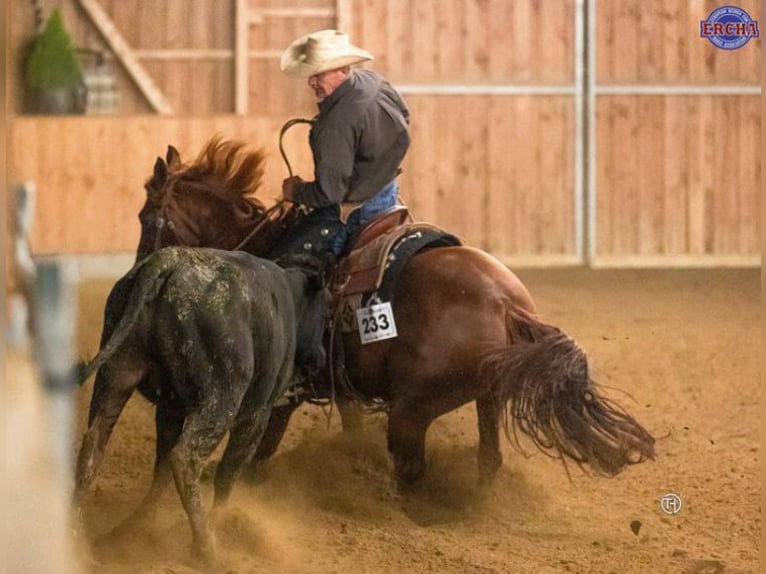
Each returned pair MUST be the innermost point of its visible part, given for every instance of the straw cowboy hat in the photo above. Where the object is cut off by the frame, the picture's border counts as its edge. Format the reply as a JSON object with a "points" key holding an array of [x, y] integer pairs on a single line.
{"points": [[319, 52]]}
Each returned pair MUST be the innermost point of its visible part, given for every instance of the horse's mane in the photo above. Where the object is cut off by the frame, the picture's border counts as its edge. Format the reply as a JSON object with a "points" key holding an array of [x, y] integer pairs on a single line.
{"points": [[232, 172], [236, 170]]}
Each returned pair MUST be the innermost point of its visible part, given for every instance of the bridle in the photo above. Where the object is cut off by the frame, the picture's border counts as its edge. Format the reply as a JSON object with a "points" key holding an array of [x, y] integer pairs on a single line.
{"points": [[160, 222]]}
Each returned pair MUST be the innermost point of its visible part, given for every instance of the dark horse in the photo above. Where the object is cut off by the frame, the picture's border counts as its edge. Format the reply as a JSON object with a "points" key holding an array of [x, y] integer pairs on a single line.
{"points": [[210, 337], [467, 331]]}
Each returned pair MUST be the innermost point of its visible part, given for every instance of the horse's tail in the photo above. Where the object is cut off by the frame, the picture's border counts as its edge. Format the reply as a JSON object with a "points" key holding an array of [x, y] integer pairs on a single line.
{"points": [[543, 380]]}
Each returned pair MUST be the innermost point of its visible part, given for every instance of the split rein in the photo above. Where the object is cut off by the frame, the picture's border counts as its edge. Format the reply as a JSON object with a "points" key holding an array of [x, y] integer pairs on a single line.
{"points": [[287, 125]]}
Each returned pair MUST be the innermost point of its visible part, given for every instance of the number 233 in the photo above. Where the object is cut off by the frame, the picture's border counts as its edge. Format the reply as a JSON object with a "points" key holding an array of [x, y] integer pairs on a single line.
{"points": [[374, 323]]}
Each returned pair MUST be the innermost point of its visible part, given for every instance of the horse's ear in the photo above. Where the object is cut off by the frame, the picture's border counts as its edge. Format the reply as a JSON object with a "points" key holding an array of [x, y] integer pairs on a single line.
{"points": [[160, 173], [173, 157]]}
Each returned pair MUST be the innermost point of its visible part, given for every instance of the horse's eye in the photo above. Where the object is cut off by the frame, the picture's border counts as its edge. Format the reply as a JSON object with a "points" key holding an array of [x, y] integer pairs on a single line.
{"points": [[307, 246]]}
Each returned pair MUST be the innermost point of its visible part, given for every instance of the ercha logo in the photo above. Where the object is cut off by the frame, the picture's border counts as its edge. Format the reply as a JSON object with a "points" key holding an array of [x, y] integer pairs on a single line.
{"points": [[729, 28]]}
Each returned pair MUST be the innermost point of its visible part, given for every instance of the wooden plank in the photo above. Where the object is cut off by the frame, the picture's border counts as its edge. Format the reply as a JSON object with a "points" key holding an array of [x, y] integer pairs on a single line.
{"points": [[193, 54], [501, 179], [694, 148], [605, 175], [726, 187], [676, 261], [449, 110], [525, 152], [557, 48], [565, 171], [675, 23], [500, 64], [520, 36], [471, 185], [373, 34], [257, 17], [423, 43], [394, 32], [626, 32], [650, 38], [708, 160], [449, 45], [750, 174], [241, 60], [625, 193], [177, 77], [123, 52], [651, 172], [417, 183], [556, 192], [676, 176], [704, 54], [344, 16], [477, 42], [605, 42]]}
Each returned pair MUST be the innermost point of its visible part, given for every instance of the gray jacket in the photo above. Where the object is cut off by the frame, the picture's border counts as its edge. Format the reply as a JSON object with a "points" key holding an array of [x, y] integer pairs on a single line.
{"points": [[358, 141]]}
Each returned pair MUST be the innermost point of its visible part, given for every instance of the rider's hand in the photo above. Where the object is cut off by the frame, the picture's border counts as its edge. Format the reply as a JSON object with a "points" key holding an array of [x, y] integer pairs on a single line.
{"points": [[290, 186]]}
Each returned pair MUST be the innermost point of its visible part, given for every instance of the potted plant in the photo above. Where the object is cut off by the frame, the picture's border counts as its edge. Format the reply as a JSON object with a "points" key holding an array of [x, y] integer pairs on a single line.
{"points": [[53, 78]]}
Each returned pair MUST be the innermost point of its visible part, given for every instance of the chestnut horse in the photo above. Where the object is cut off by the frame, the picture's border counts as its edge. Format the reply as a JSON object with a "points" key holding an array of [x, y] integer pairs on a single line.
{"points": [[467, 331]]}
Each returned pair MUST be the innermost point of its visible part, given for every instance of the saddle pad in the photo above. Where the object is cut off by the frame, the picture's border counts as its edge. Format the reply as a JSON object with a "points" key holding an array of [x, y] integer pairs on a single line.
{"points": [[361, 271], [377, 283]]}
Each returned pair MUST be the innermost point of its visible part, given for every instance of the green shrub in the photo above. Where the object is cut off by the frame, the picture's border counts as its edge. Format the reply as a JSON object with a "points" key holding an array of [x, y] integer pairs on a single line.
{"points": [[53, 62]]}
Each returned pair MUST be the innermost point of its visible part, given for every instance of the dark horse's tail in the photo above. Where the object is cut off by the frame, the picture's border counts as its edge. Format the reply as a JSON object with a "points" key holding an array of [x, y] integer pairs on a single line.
{"points": [[543, 379], [126, 301]]}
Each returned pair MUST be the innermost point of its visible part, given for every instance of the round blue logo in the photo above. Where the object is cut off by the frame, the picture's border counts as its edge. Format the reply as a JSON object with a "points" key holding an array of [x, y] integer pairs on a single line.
{"points": [[729, 28]]}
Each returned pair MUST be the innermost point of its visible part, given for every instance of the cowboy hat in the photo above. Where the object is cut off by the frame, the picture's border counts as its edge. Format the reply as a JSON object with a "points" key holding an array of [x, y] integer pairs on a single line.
{"points": [[319, 52]]}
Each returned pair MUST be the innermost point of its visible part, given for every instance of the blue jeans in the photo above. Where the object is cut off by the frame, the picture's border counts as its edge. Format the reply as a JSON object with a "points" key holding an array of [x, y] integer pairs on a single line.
{"points": [[370, 209]]}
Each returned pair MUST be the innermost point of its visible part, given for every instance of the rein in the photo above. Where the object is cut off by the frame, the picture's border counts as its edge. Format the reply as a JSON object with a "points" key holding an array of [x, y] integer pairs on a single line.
{"points": [[257, 228], [288, 124]]}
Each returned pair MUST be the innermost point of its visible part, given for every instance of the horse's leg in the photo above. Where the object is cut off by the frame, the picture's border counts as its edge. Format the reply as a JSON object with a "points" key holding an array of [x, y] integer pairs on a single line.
{"points": [[407, 442], [110, 393], [351, 415], [243, 442], [272, 436], [488, 409], [202, 432]]}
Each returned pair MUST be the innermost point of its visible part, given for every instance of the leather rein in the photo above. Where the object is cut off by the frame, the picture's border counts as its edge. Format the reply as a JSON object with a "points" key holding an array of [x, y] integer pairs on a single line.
{"points": [[287, 125]]}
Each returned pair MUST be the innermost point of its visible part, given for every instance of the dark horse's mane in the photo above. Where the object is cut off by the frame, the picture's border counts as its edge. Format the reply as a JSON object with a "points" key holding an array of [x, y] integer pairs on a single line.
{"points": [[230, 173]]}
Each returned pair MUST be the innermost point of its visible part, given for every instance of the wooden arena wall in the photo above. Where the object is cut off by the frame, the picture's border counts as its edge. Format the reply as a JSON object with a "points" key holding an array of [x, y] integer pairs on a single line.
{"points": [[500, 114]]}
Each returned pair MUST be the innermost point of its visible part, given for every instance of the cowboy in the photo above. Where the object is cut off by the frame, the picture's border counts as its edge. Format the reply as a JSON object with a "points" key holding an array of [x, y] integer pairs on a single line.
{"points": [[358, 139]]}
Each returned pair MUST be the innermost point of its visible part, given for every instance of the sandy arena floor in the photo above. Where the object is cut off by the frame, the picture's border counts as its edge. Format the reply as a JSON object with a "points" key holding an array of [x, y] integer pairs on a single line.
{"points": [[681, 349]]}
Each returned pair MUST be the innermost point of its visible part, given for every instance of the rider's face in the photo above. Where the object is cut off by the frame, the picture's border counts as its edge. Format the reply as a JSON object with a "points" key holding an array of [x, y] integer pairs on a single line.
{"points": [[325, 83]]}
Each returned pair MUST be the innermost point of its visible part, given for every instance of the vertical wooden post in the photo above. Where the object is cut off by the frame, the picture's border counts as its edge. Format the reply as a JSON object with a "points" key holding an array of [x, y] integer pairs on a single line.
{"points": [[343, 21], [241, 56]]}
